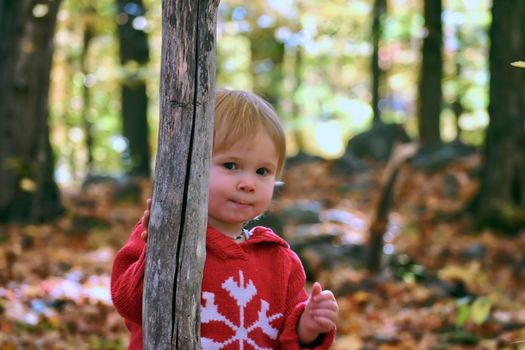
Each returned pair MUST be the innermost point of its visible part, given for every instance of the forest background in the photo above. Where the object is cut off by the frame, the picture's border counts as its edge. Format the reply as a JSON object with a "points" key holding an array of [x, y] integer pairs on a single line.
{"points": [[404, 191]]}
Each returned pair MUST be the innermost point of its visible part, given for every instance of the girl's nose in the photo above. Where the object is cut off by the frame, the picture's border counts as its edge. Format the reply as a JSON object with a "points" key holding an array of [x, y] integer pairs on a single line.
{"points": [[246, 184]]}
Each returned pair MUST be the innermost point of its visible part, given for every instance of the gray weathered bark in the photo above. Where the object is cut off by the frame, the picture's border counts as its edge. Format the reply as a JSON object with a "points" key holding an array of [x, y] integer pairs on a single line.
{"points": [[176, 233]]}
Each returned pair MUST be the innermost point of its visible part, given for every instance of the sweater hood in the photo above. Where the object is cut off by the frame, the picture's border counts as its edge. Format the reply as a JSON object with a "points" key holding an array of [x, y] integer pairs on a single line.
{"points": [[225, 247]]}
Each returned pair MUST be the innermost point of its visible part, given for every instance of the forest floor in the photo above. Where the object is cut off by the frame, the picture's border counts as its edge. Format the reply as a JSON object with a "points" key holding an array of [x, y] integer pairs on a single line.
{"points": [[443, 286]]}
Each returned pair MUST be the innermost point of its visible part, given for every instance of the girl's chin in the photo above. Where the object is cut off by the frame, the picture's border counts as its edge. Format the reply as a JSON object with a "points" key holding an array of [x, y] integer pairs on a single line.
{"points": [[228, 224], [238, 216]]}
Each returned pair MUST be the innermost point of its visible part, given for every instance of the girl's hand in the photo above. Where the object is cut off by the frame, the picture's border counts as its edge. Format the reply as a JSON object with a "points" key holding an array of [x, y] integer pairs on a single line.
{"points": [[145, 220], [319, 316]]}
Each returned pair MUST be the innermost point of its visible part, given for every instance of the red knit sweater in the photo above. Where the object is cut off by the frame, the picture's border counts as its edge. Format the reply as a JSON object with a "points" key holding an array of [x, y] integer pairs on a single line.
{"points": [[252, 293]]}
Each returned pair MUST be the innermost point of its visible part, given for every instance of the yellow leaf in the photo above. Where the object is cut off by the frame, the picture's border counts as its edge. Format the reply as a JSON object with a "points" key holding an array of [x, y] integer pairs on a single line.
{"points": [[519, 64], [480, 310], [28, 185]]}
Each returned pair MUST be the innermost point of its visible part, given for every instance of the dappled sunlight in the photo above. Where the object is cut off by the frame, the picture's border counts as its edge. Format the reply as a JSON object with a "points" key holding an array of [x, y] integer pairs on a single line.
{"points": [[328, 139], [423, 251]]}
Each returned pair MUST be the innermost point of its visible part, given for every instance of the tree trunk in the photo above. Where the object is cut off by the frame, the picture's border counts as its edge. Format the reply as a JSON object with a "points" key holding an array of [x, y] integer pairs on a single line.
{"points": [[134, 55], [462, 85], [377, 31], [12, 17], [86, 90], [176, 234], [29, 192], [267, 63], [296, 108], [379, 223], [502, 192], [430, 93]]}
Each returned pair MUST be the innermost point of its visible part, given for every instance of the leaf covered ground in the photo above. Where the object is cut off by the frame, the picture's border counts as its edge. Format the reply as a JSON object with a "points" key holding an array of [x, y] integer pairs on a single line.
{"points": [[442, 286]]}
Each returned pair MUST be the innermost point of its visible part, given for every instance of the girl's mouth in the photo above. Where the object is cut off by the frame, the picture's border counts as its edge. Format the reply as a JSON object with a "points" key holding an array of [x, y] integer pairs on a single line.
{"points": [[240, 205]]}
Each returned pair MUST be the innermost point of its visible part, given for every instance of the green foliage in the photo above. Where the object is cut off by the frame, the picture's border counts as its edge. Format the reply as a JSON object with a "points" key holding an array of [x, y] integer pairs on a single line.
{"points": [[462, 311], [478, 311], [316, 66]]}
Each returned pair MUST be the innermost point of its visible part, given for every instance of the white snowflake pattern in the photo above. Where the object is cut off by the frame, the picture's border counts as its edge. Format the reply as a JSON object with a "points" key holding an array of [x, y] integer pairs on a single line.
{"points": [[242, 294]]}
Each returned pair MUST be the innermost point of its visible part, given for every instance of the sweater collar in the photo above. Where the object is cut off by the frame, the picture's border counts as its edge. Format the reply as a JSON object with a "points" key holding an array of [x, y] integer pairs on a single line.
{"points": [[225, 247]]}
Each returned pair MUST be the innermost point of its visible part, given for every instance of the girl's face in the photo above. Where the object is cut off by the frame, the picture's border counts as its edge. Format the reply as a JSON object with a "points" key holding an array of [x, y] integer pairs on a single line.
{"points": [[241, 185]]}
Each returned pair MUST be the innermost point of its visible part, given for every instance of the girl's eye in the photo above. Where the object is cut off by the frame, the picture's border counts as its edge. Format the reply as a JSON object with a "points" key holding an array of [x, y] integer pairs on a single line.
{"points": [[230, 166], [262, 171]]}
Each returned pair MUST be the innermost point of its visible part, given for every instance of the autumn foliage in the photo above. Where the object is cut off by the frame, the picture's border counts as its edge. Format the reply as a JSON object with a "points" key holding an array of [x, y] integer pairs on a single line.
{"points": [[442, 285]]}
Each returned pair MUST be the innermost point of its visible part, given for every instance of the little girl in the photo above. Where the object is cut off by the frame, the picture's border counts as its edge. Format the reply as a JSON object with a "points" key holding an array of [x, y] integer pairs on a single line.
{"points": [[253, 287]]}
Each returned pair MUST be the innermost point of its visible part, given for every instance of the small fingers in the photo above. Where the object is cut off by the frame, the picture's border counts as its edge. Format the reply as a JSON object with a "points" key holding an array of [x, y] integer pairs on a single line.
{"points": [[145, 215], [330, 313], [316, 290], [325, 309], [325, 295], [324, 324], [145, 218], [325, 299]]}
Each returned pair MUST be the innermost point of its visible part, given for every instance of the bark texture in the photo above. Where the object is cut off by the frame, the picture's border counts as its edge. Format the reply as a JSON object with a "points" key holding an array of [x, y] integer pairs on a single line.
{"points": [[176, 234]]}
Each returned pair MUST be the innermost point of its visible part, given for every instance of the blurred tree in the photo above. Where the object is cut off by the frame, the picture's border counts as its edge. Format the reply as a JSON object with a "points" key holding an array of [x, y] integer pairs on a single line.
{"points": [[28, 189], [89, 32], [134, 55], [501, 200], [11, 29], [296, 108], [457, 106], [267, 54], [430, 91], [378, 13], [291, 108]]}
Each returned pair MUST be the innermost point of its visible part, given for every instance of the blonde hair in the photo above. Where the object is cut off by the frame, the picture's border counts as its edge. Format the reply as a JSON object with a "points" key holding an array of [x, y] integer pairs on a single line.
{"points": [[239, 115]]}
